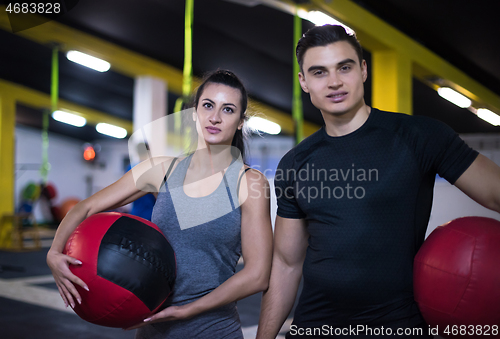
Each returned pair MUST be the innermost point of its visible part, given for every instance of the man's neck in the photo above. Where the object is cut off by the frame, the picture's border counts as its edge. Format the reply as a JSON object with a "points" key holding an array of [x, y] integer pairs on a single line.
{"points": [[338, 125]]}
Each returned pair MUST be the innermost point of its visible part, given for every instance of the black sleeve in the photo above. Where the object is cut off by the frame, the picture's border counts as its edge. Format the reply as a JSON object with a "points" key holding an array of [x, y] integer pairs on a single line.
{"points": [[446, 153], [285, 191]]}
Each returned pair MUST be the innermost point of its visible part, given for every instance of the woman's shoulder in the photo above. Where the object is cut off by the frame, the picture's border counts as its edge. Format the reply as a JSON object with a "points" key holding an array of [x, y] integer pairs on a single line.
{"points": [[152, 171], [249, 173], [252, 184]]}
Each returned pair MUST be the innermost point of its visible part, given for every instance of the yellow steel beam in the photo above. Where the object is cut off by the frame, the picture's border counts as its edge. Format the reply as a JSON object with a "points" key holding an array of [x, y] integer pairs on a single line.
{"points": [[130, 63], [7, 125], [374, 34], [392, 81], [10, 94], [39, 100]]}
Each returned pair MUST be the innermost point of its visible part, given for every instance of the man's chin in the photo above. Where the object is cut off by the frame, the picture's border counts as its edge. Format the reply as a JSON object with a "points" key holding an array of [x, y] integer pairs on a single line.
{"points": [[338, 112]]}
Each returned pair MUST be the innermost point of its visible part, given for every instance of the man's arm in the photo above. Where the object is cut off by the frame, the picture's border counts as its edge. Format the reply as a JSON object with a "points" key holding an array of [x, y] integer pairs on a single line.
{"points": [[481, 182], [290, 244]]}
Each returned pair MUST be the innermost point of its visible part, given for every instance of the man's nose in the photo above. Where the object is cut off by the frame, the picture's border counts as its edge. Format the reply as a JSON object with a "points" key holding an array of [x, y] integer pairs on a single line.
{"points": [[334, 80]]}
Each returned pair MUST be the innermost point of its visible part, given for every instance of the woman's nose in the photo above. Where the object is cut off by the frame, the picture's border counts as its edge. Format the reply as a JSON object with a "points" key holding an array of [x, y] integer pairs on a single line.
{"points": [[214, 117]]}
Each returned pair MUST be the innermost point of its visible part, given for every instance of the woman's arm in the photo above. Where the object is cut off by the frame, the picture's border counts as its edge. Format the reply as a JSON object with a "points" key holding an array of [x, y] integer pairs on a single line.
{"points": [[256, 241], [120, 193]]}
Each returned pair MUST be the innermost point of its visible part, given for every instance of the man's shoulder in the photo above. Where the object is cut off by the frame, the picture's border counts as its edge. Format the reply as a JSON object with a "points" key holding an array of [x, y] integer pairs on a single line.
{"points": [[304, 147], [396, 121]]}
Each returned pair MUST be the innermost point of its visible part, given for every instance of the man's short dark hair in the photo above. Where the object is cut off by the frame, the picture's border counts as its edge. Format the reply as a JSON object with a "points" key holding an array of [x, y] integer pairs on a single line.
{"points": [[325, 35]]}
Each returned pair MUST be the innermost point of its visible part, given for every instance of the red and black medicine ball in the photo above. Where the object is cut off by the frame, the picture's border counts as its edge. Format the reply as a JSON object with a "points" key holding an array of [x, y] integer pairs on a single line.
{"points": [[128, 265], [457, 278]]}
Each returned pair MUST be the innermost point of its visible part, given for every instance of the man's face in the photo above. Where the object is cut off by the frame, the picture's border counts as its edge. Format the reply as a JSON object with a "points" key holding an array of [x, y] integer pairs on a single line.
{"points": [[334, 78]]}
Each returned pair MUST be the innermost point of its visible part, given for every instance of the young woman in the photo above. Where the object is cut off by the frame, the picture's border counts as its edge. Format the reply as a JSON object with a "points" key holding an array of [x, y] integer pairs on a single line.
{"points": [[212, 208]]}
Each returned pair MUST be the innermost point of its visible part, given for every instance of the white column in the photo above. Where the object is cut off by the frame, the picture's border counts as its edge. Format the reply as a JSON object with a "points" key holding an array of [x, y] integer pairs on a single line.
{"points": [[150, 110]]}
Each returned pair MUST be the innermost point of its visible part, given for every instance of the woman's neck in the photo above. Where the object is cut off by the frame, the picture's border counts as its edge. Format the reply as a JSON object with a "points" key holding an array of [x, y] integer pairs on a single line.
{"points": [[212, 159]]}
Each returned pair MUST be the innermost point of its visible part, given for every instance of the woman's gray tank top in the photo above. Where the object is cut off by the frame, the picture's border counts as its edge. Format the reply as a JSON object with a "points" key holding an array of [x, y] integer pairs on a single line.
{"points": [[205, 234]]}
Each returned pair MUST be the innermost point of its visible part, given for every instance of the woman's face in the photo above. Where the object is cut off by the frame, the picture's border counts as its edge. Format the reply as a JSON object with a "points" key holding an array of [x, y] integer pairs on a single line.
{"points": [[218, 114]]}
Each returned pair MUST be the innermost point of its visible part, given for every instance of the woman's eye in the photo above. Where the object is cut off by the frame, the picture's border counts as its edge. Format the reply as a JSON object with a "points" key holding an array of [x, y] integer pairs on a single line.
{"points": [[207, 105], [228, 109]]}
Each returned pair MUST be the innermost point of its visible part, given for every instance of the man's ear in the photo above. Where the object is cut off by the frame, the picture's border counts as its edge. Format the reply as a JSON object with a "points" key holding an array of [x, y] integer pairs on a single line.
{"points": [[364, 70], [303, 83]]}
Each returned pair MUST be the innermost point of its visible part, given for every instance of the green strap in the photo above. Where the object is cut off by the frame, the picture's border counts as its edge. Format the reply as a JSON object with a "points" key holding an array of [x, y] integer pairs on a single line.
{"points": [[188, 48], [297, 114], [188, 58], [54, 88], [54, 94]]}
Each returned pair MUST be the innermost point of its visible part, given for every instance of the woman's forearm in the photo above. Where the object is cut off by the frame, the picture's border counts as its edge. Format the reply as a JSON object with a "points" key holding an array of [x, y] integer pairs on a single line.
{"points": [[70, 222], [241, 285]]}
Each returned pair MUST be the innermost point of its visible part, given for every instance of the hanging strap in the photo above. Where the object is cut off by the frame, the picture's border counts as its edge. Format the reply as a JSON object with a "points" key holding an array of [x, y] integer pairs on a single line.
{"points": [[54, 95], [188, 59]]}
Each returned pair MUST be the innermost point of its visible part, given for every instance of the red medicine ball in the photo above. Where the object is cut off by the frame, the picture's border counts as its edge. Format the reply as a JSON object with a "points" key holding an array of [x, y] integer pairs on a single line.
{"points": [[128, 265], [457, 276]]}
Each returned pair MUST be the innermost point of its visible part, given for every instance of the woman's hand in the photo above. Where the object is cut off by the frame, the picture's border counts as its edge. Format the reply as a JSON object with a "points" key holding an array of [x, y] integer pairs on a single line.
{"points": [[170, 313], [59, 265]]}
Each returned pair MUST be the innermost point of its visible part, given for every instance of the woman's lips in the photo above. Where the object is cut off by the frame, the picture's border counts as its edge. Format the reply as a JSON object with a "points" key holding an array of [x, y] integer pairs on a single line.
{"points": [[213, 130]]}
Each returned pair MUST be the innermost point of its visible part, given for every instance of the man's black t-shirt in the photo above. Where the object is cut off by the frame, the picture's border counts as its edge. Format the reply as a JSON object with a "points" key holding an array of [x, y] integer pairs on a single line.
{"points": [[366, 198]]}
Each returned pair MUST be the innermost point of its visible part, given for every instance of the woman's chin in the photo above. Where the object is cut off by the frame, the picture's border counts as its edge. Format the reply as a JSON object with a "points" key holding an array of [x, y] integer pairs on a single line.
{"points": [[214, 139]]}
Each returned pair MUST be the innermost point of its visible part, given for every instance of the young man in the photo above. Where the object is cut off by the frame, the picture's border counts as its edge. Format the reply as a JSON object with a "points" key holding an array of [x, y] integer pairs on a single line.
{"points": [[354, 201]]}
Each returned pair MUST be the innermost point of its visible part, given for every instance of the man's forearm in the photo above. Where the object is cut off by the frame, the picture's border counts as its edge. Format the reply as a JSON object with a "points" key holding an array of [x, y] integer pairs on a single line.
{"points": [[278, 300]]}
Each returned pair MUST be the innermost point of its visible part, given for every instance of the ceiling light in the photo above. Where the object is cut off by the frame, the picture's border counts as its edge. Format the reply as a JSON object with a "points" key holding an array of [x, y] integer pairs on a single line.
{"points": [[454, 97], [316, 17], [264, 125], [111, 130], [69, 118], [88, 60], [319, 19], [489, 116]]}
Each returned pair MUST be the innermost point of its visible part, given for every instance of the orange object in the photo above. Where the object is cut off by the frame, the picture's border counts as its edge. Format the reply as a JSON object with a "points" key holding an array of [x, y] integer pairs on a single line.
{"points": [[66, 205], [89, 153]]}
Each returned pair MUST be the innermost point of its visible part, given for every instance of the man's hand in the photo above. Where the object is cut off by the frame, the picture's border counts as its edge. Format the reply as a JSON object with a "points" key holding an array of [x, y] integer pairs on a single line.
{"points": [[290, 245]]}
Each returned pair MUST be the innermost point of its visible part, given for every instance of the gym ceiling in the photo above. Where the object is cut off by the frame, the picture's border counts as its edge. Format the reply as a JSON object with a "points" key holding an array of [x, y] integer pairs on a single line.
{"points": [[444, 42]]}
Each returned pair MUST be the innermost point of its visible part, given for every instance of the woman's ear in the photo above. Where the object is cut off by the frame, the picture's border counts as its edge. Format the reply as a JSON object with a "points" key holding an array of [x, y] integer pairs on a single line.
{"points": [[240, 125], [194, 115]]}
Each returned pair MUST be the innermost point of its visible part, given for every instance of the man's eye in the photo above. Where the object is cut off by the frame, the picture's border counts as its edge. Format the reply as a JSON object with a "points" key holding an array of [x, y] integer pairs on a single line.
{"points": [[318, 73], [345, 68]]}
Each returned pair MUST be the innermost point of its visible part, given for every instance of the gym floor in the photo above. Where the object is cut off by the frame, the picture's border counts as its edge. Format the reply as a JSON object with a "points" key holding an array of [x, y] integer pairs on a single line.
{"points": [[31, 308]]}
